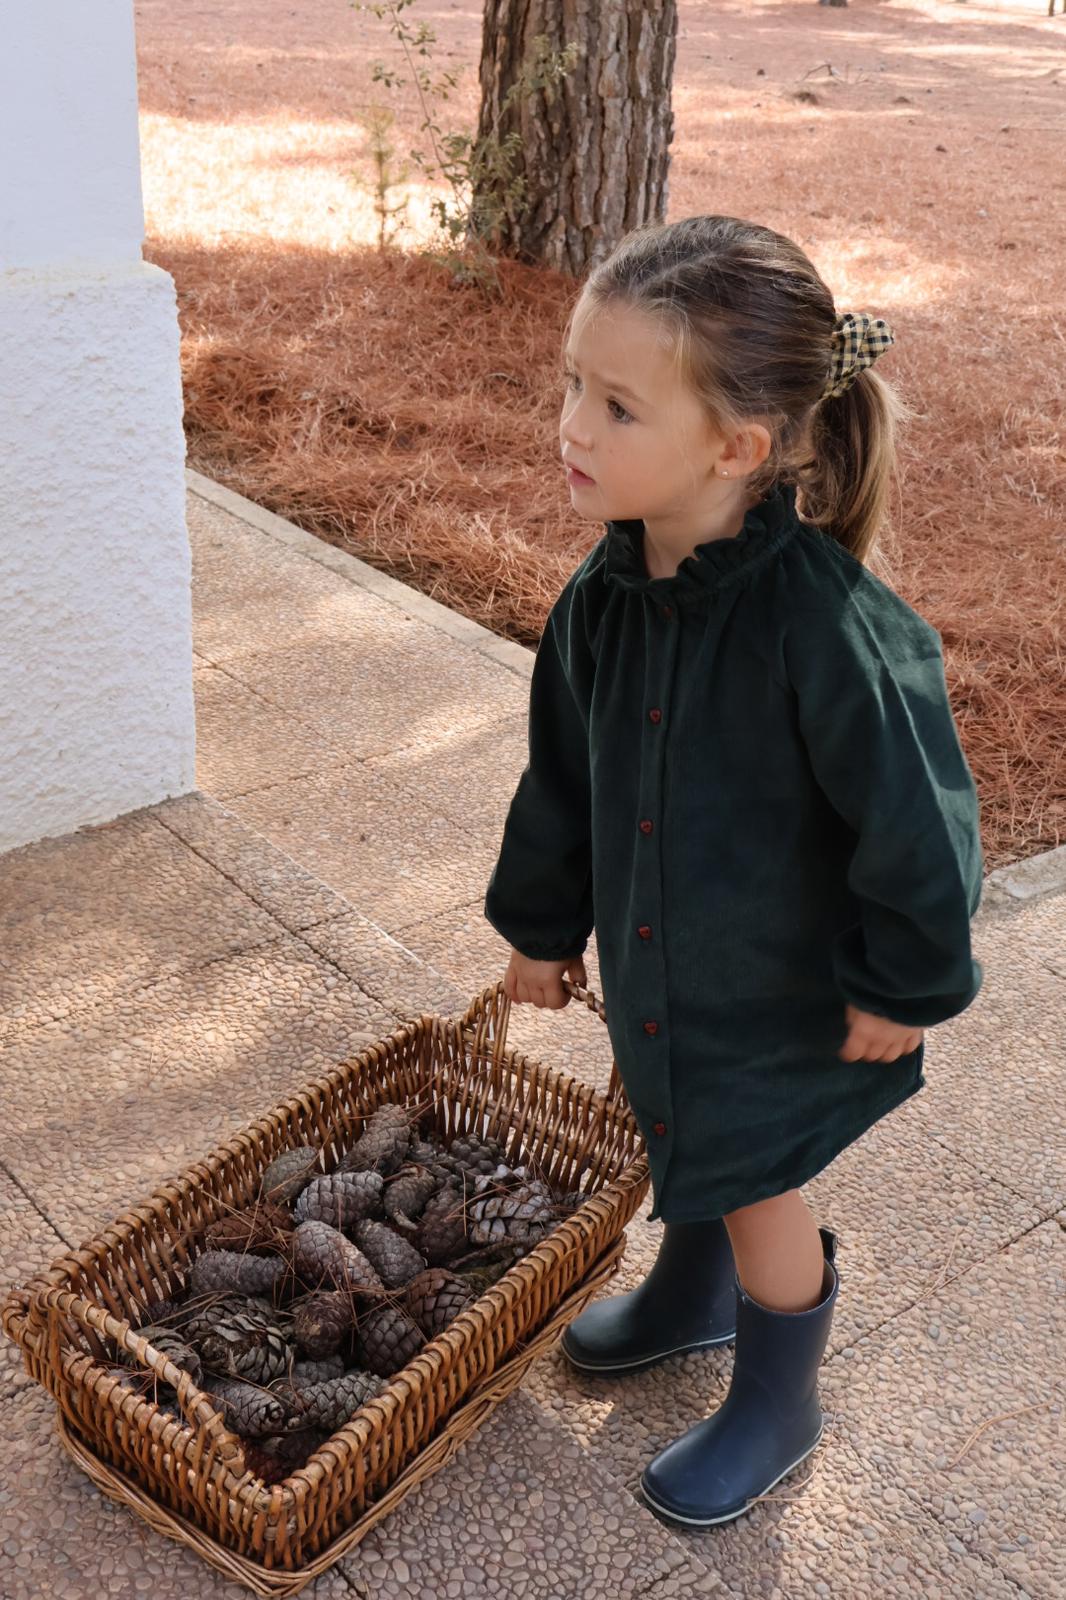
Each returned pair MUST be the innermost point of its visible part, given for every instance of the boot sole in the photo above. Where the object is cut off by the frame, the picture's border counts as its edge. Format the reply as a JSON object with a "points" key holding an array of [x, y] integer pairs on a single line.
{"points": [[730, 1516], [646, 1361]]}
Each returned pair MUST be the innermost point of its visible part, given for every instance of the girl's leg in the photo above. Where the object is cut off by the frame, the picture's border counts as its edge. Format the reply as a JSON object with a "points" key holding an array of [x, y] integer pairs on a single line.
{"points": [[778, 1252]]}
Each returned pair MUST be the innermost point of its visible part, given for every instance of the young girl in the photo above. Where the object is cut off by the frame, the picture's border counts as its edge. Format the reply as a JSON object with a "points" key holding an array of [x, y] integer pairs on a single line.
{"points": [[744, 772]]}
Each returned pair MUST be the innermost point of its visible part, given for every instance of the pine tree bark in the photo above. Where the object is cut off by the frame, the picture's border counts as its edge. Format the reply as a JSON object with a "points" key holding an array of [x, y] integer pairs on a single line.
{"points": [[596, 148]]}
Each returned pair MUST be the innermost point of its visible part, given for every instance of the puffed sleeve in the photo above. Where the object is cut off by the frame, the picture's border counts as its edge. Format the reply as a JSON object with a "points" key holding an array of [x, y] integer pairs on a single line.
{"points": [[876, 721], [540, 894]]}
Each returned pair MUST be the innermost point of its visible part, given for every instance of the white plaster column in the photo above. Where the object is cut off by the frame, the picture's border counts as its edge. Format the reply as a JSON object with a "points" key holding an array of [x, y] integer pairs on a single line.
{"points": [[96, 702]]}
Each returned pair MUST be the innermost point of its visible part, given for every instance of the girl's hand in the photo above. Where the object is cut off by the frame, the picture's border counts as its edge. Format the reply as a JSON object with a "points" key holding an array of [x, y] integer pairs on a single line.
{"points": [[541, 981], [873, 1038]]}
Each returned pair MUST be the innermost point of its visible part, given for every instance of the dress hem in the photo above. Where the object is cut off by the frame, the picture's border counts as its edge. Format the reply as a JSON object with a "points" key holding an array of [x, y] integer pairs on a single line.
{"points": [[810, 1170]]}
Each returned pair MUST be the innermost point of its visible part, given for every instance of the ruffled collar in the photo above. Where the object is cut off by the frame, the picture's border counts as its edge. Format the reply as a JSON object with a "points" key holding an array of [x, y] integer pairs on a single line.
{"points": [[713, 566]]}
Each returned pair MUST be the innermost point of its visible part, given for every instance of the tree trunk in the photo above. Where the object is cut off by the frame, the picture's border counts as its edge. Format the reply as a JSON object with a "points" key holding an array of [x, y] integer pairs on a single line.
{"points": [[594, 147]]}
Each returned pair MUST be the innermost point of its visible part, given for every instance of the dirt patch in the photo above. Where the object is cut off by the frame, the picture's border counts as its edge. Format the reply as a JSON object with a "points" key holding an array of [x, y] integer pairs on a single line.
{"points": [[909, 148]]}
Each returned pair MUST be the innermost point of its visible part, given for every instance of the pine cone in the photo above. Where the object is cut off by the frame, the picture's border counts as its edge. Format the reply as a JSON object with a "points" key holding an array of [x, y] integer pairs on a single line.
{"points": [[198, 1315], [305, 1373], [442, 1227], [383, 1143], [330, 1404], [477, 1154], [172, 1345], [248, 1346], [499, 1255], [145, 1385], [395, 1259], [434, 1160], [225, 1271], [407, 1194], [275, 1456], [435, 1297], [322, 1323], [160, 1314], [248, 1410], [324, 1256], [483, 1277], [340, 1198], [287, 1174], [264, 1229], [388, 1339], [522, 1216]]}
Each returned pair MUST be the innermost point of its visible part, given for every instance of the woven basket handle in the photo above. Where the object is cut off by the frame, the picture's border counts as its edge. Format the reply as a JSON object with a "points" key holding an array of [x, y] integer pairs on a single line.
{"points": [[490, 1012], [199, 1411]]}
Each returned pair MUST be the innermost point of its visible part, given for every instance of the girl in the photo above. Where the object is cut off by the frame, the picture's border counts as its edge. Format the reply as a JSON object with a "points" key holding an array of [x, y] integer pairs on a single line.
{"points": [[744, 772]]}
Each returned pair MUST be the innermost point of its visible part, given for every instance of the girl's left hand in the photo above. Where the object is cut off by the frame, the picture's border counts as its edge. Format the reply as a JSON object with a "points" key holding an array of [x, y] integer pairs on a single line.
{"points": [[873, 1038]]}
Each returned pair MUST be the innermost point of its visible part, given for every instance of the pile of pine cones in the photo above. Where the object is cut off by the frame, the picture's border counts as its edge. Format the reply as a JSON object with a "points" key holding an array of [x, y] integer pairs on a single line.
{"points": [[298, 1310]]}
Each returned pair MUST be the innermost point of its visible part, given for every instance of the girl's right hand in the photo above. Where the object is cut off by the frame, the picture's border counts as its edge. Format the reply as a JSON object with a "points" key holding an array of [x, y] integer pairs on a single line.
{"points": [[540, 982]]}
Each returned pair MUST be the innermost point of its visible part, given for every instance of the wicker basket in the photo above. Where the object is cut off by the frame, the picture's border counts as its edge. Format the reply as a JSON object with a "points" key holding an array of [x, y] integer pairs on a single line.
{"points": [[186, 1475]]}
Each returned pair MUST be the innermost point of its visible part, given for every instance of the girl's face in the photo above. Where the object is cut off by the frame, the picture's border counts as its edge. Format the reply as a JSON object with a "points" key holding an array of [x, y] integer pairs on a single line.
{"points": [[630, 426]]}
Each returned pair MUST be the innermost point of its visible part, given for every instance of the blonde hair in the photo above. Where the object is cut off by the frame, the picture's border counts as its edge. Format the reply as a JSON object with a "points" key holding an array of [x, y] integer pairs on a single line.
{"points": [[752, 320]]}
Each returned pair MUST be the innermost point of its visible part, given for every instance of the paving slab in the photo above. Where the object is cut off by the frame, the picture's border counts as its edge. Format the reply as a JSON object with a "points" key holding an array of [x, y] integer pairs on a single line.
{"points": [[62, 1540], [164, 1073], [931, 1221], [997, 1072], [421, 693], [266, 874], [166, 910], [520, 1514], [252, 595], [394, 858], [839, 1525], [270, 624], [29, 1242], [469, 777], [839, 1530], [902, 1403], [284, 540], [385, 968], [245, 742], [959, 1403]]}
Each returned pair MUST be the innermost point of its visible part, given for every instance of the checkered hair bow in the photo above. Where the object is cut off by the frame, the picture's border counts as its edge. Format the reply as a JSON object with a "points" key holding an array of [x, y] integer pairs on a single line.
{"points": [[858, 339]]}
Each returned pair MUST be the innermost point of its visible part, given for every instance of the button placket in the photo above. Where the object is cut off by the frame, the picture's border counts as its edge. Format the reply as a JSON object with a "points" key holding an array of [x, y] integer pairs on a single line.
{"points": [[663, 637]]}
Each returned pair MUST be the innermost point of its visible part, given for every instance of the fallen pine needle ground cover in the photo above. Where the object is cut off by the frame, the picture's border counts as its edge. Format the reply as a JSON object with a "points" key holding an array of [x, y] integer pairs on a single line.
{"points": [[908, 145]]}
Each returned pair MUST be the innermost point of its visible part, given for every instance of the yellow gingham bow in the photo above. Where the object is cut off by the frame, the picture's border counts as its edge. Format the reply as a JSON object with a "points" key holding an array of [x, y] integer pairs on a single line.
{"points": [[858, 339]]}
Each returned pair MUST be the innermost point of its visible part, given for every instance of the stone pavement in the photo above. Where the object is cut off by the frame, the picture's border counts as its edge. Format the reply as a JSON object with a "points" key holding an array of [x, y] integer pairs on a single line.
{"points": [[166, 977]]}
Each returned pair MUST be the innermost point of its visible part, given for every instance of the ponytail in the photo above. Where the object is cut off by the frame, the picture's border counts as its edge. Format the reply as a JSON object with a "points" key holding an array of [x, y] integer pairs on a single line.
{"points": [[845, 481]]}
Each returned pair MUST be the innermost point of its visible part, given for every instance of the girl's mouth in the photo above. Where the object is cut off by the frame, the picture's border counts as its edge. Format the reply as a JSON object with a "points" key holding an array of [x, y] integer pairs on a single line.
{"points": [[575, 477]]}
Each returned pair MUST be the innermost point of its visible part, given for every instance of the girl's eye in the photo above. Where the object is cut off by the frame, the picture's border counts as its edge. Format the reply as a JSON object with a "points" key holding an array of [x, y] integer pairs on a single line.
{"points": [[572, 379]]}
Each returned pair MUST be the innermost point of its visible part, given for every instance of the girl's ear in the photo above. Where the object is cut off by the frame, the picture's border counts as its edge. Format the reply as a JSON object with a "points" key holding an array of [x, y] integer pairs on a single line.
{"points": [[750, 448]]}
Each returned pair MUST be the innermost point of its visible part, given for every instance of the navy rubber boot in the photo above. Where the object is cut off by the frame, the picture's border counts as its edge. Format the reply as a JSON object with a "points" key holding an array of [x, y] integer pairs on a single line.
{"points": [[686, 1302], [769, 1421]]}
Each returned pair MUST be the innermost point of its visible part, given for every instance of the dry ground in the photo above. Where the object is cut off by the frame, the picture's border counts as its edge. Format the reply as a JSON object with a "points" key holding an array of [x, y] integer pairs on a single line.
{"points": [[909, 147]]}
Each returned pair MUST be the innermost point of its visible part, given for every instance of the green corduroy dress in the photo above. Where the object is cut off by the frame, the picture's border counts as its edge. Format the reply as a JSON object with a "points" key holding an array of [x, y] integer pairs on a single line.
{"points": [[747, 778]]}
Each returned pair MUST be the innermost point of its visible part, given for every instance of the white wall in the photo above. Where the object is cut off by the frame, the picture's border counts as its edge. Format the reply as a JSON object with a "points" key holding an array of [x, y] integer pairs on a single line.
{"points": [[96, 704]]}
